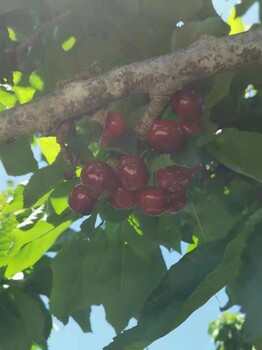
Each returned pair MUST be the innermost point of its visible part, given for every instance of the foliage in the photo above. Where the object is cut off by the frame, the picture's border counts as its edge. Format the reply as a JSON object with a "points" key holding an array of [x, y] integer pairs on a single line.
{"points": [[115, 258], [226, 332]]}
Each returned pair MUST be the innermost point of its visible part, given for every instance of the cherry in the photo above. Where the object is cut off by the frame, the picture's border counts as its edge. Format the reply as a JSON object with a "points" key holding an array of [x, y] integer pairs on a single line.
{"points": [[177, 201], [175, 178], [188, 104], [122, 199], [99, 179], [132, 173], [80, 201], [165, 136], [114, 127], [191, 128], [152, 201]]}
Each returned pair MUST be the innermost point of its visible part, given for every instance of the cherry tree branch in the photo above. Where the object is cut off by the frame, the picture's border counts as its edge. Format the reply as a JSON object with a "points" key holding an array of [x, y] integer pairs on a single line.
{"points": [[160, 77]]}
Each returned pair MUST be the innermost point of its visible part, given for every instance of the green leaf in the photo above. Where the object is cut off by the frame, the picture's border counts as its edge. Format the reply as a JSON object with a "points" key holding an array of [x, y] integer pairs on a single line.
{"points": [[167, 299], [12, 329], [49, 147], [238, 150], [58, 197], [7, 225], [17, 157], [108, 213], [164, 230], [190, 31], [243, 7], [160, 161], [169, 234], [36, 81], [8, 99], [82, 318], [220, 88], [247, 288], [171, 10], [23, 237], [43, 181], [111, 260], [24, 94], [24, 320], [207, 208], [125, 35], [190, 155], [69, 43], [126, 144], [186, 286], [16, 203], [29, 246], [39, 280], [236, 23], [35, 316]]}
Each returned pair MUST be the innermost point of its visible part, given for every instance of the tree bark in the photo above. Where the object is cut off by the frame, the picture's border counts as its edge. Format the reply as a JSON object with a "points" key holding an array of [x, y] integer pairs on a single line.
{"points": [[160, 77]]}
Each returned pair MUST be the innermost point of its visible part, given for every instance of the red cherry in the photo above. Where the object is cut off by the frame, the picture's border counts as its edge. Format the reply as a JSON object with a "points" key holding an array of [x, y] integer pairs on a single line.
{"points": [[191, 128], [99, 179], [175, 178], [80, 201], [115, 126], [132, 173], [188, 104], [122, 199], [165, 136], [177, 201], [152, 201]]}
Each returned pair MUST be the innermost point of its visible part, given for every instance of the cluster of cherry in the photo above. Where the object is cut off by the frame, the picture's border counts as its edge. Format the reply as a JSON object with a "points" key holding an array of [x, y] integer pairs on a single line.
{"points": [[127, 185]]}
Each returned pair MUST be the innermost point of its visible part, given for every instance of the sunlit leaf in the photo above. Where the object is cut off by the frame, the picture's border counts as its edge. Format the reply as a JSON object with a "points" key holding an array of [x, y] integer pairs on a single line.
{"points": [[59, 197], [33, 247], [69, 43], [236, 23], [36, 81], [49, 147], [24, 94], [8, 99], [12, 34], [17, 76]]}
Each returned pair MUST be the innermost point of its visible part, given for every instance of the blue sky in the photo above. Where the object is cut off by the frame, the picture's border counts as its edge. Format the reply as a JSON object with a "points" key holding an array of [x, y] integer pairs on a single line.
{"points": [[192, 334]]}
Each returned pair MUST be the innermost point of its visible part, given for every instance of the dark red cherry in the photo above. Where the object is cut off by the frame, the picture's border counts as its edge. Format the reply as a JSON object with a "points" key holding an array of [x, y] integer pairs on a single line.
{"points": [[175, 178], [191, 128], [115, 126], [152, 201], [177, 201], [99, 179], [80, 201], [165, 136], [122, 199], [188, 104], [132, 173]]}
